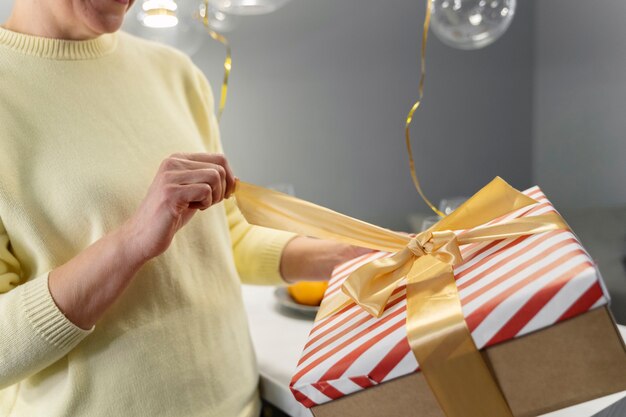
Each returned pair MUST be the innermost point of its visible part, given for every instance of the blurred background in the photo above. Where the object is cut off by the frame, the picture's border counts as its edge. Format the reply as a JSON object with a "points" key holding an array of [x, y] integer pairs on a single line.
{"points": [[320, 91]]}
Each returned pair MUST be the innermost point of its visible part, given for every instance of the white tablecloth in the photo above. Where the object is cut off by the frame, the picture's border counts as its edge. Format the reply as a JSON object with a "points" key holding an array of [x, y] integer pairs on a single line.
{"points": [[278, 340]]}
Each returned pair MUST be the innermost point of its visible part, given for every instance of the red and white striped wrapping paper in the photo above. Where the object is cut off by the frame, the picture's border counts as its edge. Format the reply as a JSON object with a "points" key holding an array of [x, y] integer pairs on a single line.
{"points": [[508, 288]]}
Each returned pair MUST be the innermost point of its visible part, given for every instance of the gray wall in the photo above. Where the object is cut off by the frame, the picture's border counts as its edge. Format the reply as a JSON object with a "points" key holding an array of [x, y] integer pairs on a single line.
{"points": [[579, 126], [320, 90], [579, 129]]}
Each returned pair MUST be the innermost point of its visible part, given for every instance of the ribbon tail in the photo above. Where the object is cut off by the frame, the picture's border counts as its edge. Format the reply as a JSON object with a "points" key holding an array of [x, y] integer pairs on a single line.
{"points": [[270, 208], [369, 286], [331, 305], [443, 346]]}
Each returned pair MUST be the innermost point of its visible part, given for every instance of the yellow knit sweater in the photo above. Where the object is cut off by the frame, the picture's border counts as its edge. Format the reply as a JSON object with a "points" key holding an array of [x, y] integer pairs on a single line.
{"points": [[84, 126]]}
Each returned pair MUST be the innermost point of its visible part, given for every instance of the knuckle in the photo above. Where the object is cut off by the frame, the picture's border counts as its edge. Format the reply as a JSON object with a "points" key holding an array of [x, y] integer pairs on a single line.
{"points": [[213, 174], [220, 158], [207, 189]]}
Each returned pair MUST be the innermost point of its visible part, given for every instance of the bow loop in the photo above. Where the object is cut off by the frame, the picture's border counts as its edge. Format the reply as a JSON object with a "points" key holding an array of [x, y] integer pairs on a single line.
{"points": [[446, 247], [371, 285]]}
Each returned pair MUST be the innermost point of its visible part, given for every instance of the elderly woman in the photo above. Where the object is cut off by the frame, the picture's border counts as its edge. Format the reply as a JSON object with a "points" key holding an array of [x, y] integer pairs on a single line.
{"points": [[120, 265]]}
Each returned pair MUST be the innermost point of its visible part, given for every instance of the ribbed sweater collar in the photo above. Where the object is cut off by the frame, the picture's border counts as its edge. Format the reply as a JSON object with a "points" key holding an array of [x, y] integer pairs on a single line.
{"points": [[60, 49]]}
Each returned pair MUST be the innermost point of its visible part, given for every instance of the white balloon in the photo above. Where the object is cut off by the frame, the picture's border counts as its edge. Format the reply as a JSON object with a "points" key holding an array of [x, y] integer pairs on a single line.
{"points": [[471, 24]]}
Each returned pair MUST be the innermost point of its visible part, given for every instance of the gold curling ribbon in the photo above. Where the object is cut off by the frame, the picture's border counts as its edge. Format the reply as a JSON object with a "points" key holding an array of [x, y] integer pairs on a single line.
{"points": [[228, 61], [436, 329], [409, 117]]}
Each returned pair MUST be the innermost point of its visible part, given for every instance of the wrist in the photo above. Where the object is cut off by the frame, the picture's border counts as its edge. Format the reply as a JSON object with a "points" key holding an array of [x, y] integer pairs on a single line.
{"points": [[125, 242], [308, 259], [85, 286]]}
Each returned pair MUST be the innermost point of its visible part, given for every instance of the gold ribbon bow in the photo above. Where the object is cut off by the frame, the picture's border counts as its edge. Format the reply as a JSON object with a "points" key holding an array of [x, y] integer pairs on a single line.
{"points": [[436, 328]]}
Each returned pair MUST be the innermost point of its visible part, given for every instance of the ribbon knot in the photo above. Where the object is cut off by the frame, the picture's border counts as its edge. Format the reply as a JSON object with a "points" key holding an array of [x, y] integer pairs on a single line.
{"points": [[416, 245], [371, 285], [442, 244]]}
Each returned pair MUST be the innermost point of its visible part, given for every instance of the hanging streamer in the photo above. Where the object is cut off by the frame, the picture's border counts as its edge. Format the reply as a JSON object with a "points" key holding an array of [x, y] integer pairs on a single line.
{"points": [[409, 117]]}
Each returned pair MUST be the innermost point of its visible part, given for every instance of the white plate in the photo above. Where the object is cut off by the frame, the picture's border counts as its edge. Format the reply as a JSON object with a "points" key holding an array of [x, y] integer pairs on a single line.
{"points": [[284, 300]]}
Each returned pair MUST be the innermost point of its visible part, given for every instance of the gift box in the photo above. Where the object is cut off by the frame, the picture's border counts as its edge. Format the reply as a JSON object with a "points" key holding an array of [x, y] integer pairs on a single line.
{"points": [[535, 305]]}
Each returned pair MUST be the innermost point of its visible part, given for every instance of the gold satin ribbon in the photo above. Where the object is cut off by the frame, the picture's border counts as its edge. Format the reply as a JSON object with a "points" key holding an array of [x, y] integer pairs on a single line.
{"points": [[436, 328]]}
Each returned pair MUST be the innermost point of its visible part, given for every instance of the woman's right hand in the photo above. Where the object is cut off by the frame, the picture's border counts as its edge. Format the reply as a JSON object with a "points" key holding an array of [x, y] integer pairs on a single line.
{"points": [[184, 184]]}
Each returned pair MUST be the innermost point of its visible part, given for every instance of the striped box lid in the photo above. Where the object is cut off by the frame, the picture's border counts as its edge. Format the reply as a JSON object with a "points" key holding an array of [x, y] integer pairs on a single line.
{"points": [[508, 288]]}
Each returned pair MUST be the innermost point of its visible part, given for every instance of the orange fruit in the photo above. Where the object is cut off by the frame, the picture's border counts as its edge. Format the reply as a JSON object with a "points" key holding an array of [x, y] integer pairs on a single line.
{"points": [[309, 293]]}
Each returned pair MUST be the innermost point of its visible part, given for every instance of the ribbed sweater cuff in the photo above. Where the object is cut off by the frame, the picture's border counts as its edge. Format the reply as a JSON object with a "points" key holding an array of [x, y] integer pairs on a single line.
{"points": [[269, 259], [46, 318]]}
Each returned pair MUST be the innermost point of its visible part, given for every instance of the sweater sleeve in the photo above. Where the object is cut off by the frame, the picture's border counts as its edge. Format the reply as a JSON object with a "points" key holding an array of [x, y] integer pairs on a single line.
{"points": [[257, 250], [33, 332]]}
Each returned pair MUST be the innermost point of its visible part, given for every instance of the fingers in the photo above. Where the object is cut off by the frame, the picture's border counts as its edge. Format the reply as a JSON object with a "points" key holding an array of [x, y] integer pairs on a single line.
{"points": [[193, 161], [212, 169], [196, 196], [212, 175], [219, 159]]}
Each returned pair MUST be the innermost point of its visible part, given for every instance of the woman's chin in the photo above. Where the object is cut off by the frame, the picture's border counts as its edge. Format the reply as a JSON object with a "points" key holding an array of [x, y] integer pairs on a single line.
{"points": [[106, 24], [105, 16]]}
